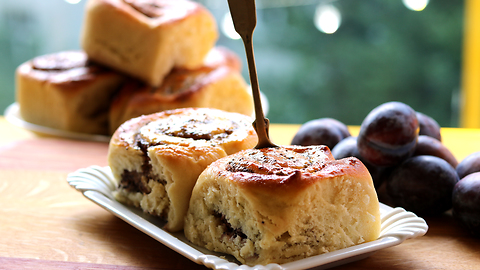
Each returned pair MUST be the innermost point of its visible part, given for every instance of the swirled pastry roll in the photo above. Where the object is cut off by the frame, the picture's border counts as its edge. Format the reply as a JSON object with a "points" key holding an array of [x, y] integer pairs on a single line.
{"points": [[66, 91], [157, 158], [217, 84], [147, 38], [277, 205]]}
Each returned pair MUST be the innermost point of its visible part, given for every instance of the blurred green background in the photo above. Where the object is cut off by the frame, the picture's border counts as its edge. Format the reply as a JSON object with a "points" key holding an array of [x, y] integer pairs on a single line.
{"points": [[380, 51]]}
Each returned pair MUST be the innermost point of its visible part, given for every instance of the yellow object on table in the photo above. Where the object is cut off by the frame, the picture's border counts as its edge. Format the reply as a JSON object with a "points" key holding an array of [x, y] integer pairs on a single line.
{"points": [[470, 94], [461, 142], [46, 224]]}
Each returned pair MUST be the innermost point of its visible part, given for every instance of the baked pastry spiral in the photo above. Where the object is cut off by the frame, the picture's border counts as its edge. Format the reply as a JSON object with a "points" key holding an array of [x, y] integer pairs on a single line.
{"points": [[66, 91], [217, 84], [157, 158], [277, 205], [147, 38]]}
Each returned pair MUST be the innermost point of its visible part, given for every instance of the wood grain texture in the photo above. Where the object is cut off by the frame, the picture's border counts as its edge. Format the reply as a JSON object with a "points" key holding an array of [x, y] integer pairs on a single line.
{"points": [[43, 218], [445, 246], [34, 264], [50, 154], [46, 224]]}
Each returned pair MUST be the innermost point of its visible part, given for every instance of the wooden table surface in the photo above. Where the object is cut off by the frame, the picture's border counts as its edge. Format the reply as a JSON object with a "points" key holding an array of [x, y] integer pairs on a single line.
{"points": [[46, 224]]}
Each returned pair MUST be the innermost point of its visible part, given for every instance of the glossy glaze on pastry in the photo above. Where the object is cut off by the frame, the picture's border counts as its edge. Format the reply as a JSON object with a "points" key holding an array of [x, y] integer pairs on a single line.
{"points": [[146, 39], [218, 83], [66, 91], [157, 158], [276, 205]]}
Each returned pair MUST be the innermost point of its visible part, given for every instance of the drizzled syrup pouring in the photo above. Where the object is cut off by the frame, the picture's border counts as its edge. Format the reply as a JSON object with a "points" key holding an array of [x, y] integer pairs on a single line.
{"points": [[245, 19]]}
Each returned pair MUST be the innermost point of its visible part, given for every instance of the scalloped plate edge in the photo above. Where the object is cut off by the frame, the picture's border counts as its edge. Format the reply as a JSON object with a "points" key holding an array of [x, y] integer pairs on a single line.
{"points": [[97, 184]]}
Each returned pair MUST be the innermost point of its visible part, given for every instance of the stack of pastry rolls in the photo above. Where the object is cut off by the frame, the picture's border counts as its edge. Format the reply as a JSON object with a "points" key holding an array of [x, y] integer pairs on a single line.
{"points": [[142, 56]]}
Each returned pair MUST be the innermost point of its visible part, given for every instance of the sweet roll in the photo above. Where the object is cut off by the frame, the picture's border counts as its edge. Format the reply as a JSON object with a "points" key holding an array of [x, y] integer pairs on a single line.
{"points": [[217, 84], [66, 91], [157, 158], [147, 38], [277, 205]]}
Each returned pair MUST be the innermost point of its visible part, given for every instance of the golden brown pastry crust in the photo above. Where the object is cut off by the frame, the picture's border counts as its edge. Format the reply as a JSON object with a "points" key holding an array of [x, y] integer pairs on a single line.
{"points": [[278, 205], [66, 91], [157, 158], [146, 39], [216, 84]]}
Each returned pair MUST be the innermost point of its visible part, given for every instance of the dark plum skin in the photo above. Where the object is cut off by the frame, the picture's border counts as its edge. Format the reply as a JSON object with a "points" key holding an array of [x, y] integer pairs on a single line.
{"points": [[466, 202], [339, 125], [427, 145], [348, 148], [428, 126], [322, 131], [423, 185], [388, 134], [469, 165]]}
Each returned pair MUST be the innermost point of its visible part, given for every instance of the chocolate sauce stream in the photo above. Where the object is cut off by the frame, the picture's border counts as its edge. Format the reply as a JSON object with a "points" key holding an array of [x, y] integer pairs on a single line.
{"points": [[245, 19]]}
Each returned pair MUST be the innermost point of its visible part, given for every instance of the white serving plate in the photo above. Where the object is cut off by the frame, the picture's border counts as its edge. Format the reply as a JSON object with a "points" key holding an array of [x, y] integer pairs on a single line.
{"points": [[97, 184], [12, 114]]}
